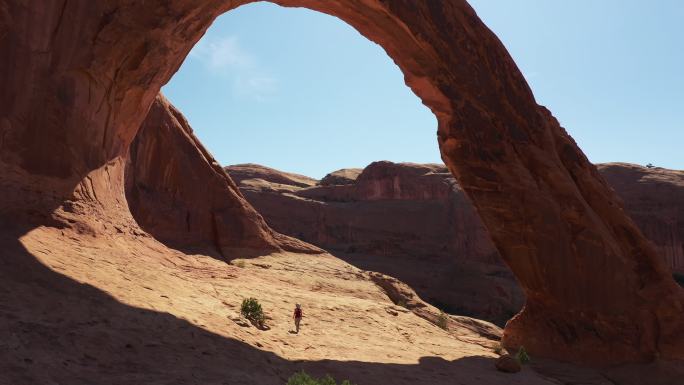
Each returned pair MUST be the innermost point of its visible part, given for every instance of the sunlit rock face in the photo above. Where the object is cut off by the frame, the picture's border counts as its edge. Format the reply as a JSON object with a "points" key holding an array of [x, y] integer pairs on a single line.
{"points": [[654, 198], [410, 221], [178, 193], [78, 79], [414, 222]]}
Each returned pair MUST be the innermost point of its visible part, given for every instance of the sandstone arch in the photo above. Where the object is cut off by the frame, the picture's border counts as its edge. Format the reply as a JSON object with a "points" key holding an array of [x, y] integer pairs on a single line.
{"points": [[78, 78]]}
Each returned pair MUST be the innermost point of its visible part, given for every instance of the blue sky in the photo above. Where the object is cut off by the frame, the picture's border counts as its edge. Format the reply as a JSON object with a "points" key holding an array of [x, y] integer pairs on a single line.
{"points": [[304, 92]]}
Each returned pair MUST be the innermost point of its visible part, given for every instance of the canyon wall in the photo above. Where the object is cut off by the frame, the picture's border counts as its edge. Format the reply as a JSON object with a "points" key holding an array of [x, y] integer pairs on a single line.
{"points": [[78, 78], [654, 198], [413, 221], [178, 193]]}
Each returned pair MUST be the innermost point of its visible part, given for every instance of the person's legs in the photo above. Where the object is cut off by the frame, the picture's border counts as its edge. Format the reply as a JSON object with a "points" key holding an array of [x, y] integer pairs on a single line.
{"points": [[297, 323]]}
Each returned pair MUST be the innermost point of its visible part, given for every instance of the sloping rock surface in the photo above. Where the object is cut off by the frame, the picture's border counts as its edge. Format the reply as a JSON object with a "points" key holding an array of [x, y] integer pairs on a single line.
{"points": [[178, 193], [342, 176], [77, 79], [654, 198], [414, 222], [240, 172]]}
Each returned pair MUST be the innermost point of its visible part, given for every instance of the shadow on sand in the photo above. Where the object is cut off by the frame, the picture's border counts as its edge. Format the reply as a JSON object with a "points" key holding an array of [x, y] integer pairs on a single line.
{"points": [[54, 330]]}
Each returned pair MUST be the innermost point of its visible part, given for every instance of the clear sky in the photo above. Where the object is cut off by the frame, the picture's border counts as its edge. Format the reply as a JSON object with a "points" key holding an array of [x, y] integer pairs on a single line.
{"points": [[304, 92]]}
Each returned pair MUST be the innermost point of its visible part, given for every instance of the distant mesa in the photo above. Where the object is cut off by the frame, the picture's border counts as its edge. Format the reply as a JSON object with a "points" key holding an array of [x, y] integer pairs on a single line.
{"points": [[240, 172], [339, 177]]}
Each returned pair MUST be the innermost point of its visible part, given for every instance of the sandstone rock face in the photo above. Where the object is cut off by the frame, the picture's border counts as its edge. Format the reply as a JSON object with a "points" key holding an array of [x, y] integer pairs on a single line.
{"points": [[410, 221], [343, 176], [414, 222], [78, 78], [240, 172], [507, 364], [654, 198], [178, 193]]}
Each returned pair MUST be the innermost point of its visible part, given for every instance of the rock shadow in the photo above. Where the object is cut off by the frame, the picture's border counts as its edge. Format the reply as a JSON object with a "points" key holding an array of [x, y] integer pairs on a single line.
{"points": [[55, 330]]}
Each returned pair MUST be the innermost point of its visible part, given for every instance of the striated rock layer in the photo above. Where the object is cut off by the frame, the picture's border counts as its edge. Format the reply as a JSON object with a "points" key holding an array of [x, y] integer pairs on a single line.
{"points": [[410, 221], [178, 193], [654, 198], [414, 222], [78, 78]]}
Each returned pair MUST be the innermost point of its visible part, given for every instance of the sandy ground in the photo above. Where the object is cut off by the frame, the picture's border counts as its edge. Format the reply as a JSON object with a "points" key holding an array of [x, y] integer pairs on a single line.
{"points": [[78, 309], [83, 310]]}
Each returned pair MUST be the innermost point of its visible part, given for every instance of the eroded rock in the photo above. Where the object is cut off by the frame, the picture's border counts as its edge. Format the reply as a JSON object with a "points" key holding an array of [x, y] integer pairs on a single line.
{"points": [[178, 193], [406, 220], [340, 177], [78, 78], [507, 364], [414, 222]]}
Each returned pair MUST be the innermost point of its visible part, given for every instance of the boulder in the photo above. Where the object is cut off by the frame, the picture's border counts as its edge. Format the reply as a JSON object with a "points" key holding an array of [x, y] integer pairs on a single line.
{"points": [[507, 364], [340, 177]]}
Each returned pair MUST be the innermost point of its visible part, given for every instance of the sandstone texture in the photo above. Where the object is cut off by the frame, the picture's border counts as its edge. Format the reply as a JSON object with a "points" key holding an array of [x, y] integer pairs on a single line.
{"points": [[654, 198], [414, 222], [124, 309], [121, 309], [179, 194], [507, 364], [343, 176], [78, 79], [241, 172], [410, 221]]}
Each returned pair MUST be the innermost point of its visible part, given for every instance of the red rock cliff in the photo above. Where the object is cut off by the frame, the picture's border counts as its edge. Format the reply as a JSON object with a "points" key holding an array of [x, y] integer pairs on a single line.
{"points": [[78, 78], [178, 193], [654, 198], [415, 223], [410, 221]]}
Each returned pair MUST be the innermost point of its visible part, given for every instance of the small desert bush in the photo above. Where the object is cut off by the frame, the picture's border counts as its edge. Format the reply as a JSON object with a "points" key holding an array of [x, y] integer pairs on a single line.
{"points": [[238, 262], [522, 357], [302, 378], [499, 349], [251, 309], [442, 320]]}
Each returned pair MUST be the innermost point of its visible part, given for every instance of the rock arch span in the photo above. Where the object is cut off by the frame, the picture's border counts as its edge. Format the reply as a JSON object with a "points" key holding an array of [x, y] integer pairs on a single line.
{"points": [[78, 78]]}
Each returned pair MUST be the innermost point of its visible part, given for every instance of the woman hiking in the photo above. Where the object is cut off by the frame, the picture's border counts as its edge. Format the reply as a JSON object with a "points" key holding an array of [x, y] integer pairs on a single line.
{"points": [[297, 317]]}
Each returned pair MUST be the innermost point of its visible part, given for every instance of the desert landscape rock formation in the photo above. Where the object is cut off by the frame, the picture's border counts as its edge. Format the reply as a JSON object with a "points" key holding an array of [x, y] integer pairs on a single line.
{"points": [[414, 222], [166, 166], [77, 81]]}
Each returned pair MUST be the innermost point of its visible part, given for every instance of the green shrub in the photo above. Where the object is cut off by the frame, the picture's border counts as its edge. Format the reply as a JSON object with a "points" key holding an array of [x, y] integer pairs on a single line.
{"points": [[443, 320], [251, 309], [302, 378], [522, 357], [499, 349]]}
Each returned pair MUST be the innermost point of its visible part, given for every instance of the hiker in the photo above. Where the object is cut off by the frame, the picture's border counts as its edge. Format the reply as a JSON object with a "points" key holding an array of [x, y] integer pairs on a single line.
{"points": [[297, 316]]}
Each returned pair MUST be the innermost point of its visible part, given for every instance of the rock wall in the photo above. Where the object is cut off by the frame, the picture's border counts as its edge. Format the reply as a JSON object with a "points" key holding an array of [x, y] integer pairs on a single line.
{"points": [[390, 209], [410, 221], [178, 193], [654, 198], [78, 78], [414, 222]]}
